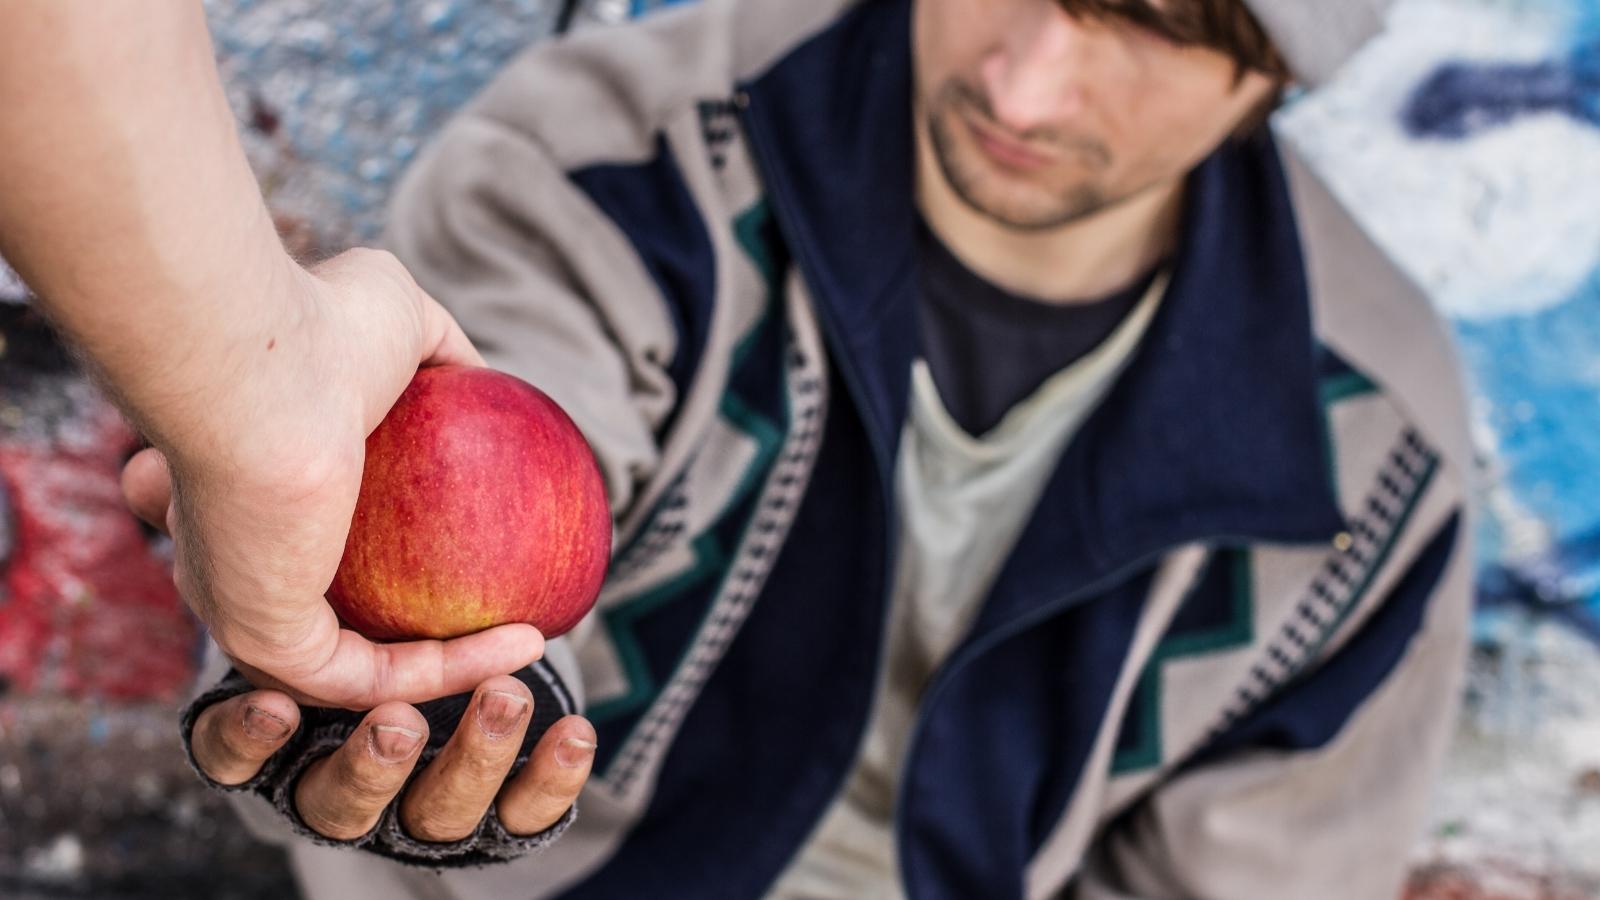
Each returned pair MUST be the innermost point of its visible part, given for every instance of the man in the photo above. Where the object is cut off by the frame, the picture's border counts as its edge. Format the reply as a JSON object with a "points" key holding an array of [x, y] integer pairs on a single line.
{"points": [[1029, 481]]}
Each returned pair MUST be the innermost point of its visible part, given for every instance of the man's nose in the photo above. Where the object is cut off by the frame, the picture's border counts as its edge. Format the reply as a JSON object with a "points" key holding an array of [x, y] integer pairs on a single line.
{"points": [[1039, 72]]}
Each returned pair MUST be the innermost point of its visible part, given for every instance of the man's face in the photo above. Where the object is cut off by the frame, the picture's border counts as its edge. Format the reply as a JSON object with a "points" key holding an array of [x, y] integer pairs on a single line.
{"points": [[1037, 119]]}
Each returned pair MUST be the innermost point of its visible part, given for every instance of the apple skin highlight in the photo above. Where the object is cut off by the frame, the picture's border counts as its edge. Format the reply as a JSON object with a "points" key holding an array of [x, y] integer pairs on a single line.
{"points": [[481, 504]]}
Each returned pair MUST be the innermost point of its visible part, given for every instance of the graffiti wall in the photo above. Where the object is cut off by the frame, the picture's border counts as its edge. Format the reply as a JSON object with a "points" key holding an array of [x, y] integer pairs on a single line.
{"points": [[1467, 140]]}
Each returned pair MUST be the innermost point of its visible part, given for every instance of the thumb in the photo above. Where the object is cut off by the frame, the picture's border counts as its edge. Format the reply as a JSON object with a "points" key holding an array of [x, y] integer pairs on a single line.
{"points": [[147, 487], [336, 667]]}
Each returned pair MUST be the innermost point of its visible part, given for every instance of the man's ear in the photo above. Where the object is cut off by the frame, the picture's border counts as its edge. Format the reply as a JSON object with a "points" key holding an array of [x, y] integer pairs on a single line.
{"points": [[1257, 119]]}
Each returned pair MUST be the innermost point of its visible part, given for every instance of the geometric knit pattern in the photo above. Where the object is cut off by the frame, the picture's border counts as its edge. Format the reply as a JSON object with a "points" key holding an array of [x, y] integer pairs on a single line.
{"points": [[743, 568], [1339, 587]]}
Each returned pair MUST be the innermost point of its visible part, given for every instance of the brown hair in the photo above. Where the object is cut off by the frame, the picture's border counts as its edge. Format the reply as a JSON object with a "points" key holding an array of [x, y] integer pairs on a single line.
{"points": [[1226, 26], [1223, 25]]}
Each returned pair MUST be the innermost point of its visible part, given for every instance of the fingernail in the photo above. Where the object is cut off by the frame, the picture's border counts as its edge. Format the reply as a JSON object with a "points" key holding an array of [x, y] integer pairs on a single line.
{"points": [[574, 752], [499, 713], [393, 743], [264, 726]]}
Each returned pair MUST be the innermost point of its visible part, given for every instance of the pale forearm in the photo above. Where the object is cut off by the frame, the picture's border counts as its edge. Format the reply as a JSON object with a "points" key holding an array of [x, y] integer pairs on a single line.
{"points": [[126, 201]]}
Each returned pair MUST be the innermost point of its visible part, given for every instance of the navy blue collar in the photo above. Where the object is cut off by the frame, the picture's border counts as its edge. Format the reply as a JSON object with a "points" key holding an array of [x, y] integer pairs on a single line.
{"points": [[1216, 429], [831, 127]]}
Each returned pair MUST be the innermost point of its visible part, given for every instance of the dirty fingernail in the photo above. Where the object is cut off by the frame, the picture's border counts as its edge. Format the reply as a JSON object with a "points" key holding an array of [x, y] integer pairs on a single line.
{"points": [[499, 713], [264, 726], [393, 743], [574, 752]]}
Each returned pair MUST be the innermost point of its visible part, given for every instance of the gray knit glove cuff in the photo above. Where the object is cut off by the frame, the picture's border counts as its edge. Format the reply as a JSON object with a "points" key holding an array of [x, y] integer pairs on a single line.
{"points": [[323, 730]]}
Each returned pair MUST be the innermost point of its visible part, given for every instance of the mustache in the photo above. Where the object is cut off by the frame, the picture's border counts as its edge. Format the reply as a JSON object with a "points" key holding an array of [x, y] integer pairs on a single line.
{"points": [[1094, 153]]}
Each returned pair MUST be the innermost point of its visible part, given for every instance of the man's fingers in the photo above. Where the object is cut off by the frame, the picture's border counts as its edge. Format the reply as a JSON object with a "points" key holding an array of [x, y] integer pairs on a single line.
{"points": [[450, 796], [147, 487], [446, 343], [233, 738], [441, 340], [550, 781], [361, 674], [342, 795]]}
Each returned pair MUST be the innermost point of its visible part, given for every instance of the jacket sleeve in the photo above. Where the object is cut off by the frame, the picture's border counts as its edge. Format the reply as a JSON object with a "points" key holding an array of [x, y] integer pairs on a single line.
{"points": [[549, 290], [1322, 792], [546, 286]]}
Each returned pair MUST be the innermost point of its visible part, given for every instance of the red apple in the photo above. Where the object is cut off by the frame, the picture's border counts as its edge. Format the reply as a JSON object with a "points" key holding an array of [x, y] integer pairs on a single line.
{"points": [[481, 504]]}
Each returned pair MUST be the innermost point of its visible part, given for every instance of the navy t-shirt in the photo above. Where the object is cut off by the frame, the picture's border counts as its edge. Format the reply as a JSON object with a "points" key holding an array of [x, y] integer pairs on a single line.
{"points": [[988, 348]]}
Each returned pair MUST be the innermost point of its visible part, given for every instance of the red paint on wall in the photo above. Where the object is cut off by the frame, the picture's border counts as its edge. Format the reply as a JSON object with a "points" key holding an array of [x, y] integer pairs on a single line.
{"points": [[87, 604]]}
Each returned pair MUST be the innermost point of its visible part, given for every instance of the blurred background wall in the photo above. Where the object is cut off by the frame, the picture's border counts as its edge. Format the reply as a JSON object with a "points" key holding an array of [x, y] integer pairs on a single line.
{"points": [[1467, 140]]}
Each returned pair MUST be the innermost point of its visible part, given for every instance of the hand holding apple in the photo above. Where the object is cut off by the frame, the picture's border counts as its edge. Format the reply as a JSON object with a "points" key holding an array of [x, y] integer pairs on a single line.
{"points": [[255, 474]]}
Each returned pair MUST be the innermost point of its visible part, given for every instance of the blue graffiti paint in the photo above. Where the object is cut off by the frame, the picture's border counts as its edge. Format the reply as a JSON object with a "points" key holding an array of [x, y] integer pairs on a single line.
{"points": [[1459, 100], [1540, 374], [1539, 371], [359, 86]]}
